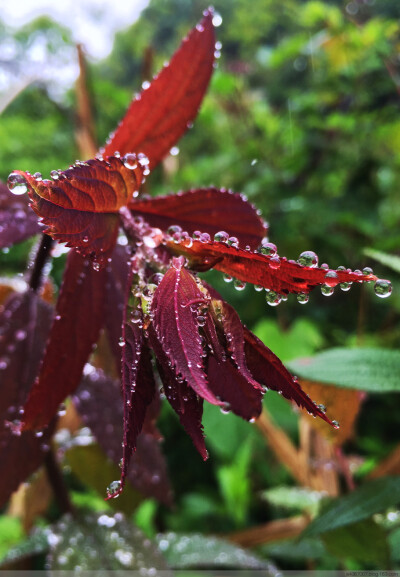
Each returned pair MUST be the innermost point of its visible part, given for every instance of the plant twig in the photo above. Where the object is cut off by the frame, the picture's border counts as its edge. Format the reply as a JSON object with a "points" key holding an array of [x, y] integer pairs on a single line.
{"points": [[272, 531], [57, 483], [42, 255]]}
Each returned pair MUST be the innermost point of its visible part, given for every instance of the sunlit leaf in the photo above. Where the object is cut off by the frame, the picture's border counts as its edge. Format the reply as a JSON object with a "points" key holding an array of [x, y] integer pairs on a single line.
{"points": [[160, 114], [80, 207]]}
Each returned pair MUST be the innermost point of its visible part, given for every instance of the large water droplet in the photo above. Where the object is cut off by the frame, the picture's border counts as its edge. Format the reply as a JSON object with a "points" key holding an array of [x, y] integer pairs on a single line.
{"points": [[308, 258], [268, 248], [130, 161], [367, 271], [345, 286], [331, 278], [113, 489], [303, 298], [239, 285], [273, 298], [383, 288], [17, 184], [217, 20], [228, 278], [221, 236], [327, 290]]}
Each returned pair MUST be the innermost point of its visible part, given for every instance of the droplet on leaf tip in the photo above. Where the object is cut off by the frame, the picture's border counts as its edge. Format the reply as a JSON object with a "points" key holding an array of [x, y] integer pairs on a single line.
{"points": [[17, 184], [383, 288], [113, 489]]}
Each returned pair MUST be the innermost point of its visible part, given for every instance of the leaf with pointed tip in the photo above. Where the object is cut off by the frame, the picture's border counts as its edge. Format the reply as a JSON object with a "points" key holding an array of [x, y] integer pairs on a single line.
{"points": [[25, 322], [138, 385], [282, 276], [160, 114], [76, 327], [99, 402], [177, 329], [241, 396], [268, 370], [206, 210], [81, 206], [182, 398], [17, 221]]}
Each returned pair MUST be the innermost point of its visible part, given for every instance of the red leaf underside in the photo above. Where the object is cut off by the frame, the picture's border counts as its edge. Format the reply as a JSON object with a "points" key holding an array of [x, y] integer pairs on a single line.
{"points": [[256, 268], [182, 398], [17, 221], [267, 369], [206, 210], [175, 323], [76, 327], [81, 206], [159, 116]]}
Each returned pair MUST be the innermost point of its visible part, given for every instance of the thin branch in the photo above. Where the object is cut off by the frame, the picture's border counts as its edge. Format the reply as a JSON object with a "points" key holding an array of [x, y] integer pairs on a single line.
{"points": [[42, 255], [57, 483]]}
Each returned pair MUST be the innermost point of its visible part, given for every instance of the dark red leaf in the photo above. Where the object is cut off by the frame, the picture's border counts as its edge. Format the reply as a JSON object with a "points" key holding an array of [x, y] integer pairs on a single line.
{"points": [[281, 276], [138, 384], [99, 401], [239, 393], [229, 321], [182, 398], [207, 210], [79, 318], [268, 370], [81, 206], [176, 326], [117, 278], [160, 114], [17, 221], [25, 322]]}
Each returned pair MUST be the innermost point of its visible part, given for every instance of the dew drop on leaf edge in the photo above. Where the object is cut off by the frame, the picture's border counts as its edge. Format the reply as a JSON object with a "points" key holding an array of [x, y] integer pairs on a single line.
{"points": [[17, 184]]}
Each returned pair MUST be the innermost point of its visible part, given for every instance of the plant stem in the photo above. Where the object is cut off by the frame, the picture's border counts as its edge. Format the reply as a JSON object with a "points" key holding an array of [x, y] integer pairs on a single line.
{"points": [[41, 257], [57, 483]]}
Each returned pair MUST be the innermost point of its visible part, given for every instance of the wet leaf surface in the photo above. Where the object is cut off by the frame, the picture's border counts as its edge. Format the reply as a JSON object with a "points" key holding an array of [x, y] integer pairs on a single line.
{"points": [[160, 115], [78, 319], [206, 210]]}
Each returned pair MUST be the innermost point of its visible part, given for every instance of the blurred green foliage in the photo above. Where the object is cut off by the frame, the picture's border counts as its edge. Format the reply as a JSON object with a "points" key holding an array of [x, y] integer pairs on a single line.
{"points": [[302, 116]]}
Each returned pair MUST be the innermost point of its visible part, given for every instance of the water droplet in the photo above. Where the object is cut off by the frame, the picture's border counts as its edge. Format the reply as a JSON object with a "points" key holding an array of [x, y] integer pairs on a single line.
{"points": [[268, 248], [258, 288], [383, 288], [130, 160], [146, 85], [54, 174], [336, 424], [367, 271], [205, 237], [113, 489], [327, 290], [228, 278], [331, 278], [303, 298], [308, 258], [221, 236], [174, 229], [275, 262], [38, 176], [20, 335], [201, 321], [174, 151], [233, 241], [322, 408], [196, 235], [17, 184], [217, 20], [254, 162], [121, 342], [345, 286], [273, 298], [239, 285]]}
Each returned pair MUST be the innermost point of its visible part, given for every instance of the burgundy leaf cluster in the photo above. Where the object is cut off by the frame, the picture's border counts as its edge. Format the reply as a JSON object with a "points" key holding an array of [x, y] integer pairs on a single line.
{"points": [[132, 272]]}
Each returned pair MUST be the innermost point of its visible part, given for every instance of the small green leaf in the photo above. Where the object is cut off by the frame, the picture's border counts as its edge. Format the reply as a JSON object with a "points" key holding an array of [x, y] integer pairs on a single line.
{"points": [[103, 541], [374, 370], [390, 260], [196, 551], [354, 542], [371, 498], [294, 498]]}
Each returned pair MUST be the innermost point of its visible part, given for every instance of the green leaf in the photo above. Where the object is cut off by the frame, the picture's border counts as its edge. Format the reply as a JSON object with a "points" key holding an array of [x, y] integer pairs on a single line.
{"points": [[11, 532], [234, 481], [354, 542], [35, 544], [196, 551], [371, 498], [390, 260], [293, 549], [294, 498], [103, 541], [374, 370], [394, 543]]}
